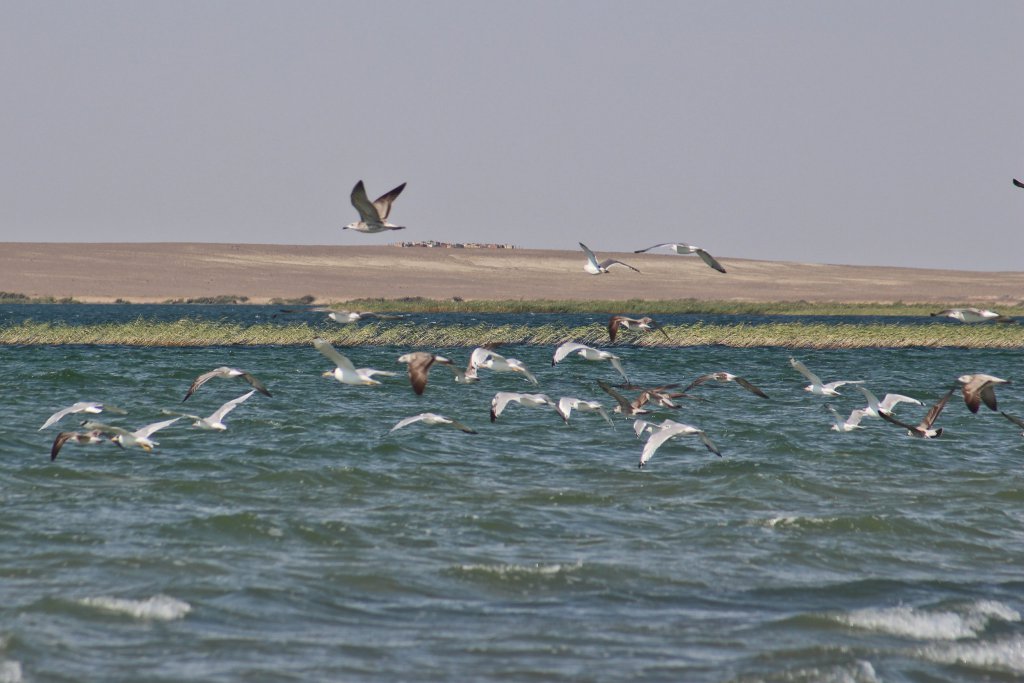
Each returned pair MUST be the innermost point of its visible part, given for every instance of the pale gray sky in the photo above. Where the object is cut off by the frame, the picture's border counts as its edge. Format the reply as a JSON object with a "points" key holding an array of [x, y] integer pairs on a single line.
{"points": [[876, 133]]}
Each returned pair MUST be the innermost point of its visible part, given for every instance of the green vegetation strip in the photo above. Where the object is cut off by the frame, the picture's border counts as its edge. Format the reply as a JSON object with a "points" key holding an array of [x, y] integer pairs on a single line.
{"points": [[187, 332]]}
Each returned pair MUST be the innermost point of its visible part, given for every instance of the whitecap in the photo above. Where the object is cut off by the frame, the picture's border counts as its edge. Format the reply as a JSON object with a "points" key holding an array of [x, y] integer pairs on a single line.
{"points": [[1003, 655], [10, 671], [504, 570], [158, 607], [925, 624]]}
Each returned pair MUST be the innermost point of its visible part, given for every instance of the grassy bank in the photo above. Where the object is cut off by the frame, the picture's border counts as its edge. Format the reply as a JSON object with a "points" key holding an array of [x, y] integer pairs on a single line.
{"points": [[790, 335]]}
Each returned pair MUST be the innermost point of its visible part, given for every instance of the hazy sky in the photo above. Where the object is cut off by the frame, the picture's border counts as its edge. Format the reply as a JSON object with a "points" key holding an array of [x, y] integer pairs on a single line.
{"points": [[881, 133]]}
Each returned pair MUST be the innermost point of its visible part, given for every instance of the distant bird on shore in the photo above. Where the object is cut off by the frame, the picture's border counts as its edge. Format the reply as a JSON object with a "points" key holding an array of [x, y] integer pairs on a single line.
{"points": [[93, 436], [225, 372], [594, 268], [126, 439], [646, 323], [216, 420], [80, 407], [503, 398], [973, 315], [433, 419], [373, 216], [683, 248], [670, 429], [419, 367], [925, 429], [588, 353], [1018, 183], [725, 377], [978, 389], [344, 371], [816, 386]]}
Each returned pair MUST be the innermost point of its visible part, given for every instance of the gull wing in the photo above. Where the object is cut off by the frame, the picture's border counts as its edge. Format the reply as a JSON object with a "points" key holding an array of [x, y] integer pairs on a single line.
{"points": [[627, 407], [405, 422], [461, 427], [219, 414], [613, 326], [1018, 183], [933, 412], [565, 349], [367, 210], [749, 387], [909, 427], [517, 366], [700, 380], [81, 406], [590, 255], [663, 244], [656, 439], [105, 429], [1013, 418], [200, 381], [332, 355], [618, 366], [710, 260], [500, 400], [890, 401], [144, 432], [479, 355], [609, 262], [255, 383], [802, 369], [383, 203]]}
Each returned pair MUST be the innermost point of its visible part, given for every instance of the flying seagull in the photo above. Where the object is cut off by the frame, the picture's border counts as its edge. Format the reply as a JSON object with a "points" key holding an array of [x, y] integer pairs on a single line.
{"points": [[850, 423], [588, 353], [344, 371], [978, 389], [683, 248], [567, 404], [625, 406], [595, 268], [923, 430], [725, 377], [432, 419], [886, 405], [973, 315], [489, 360], [670, 429], [125, 439], [815, 386], [226, 372], [348, 317], [1014, 419], [419, 367], [645, 323], [93, 436], [373, 216], [216, 420], [80, 407], [503, 398]]}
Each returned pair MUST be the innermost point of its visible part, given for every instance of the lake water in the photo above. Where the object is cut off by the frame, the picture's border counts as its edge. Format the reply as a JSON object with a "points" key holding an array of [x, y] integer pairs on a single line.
{"points": [[306, 543]]}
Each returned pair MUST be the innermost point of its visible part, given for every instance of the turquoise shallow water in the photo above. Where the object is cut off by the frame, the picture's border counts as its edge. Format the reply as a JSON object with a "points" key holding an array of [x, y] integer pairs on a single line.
{"points": [[306, 543]]}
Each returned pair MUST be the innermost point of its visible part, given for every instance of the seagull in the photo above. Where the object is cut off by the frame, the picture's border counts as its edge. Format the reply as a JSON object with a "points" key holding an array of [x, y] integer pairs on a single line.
{"points": [[1018, 183], [978, 389], [815, 386], [503, 398], [225, 371], [419, 367], [888, 402], [682, 248], [373, 216], [432, 419], [595, 268], [645, 323], [349, 317], [670, 429], [344, 371], [93, 436], [726, 377], [850, 423], [588, 353], [973, 315], [125, 439], [1014, 419], [625, 406], [216, 420], [567, 404], [489, 360], [80, 407], [923, 430]]}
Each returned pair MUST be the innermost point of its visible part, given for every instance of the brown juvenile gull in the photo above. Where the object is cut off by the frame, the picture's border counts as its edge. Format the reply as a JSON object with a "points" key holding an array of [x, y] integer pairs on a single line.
{"points": [[432, 419], [595, 268], [978, 389], [683, 248], [645, 323], [419, 367], [924, 429], [726, 377], [226, 372], [373, 215], [93, 436]]}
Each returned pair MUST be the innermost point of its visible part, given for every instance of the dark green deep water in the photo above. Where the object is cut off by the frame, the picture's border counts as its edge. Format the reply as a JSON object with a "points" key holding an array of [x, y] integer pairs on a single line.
{"points": [[305, 543]]}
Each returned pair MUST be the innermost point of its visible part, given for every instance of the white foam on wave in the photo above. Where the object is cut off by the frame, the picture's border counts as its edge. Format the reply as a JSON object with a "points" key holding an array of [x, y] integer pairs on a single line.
{"points": [[10, 671], [507, 570], [785, 521], [924, 624], [1003, 655], [158, 607], [860, 671]]}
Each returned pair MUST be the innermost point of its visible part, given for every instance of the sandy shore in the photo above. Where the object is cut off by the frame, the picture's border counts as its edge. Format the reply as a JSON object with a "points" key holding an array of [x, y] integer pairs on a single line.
{"points": [[157, 272]]}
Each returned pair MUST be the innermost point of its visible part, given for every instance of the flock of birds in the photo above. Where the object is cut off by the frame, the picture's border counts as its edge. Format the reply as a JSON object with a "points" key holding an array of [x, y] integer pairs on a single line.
{"points": [[977, 389]]}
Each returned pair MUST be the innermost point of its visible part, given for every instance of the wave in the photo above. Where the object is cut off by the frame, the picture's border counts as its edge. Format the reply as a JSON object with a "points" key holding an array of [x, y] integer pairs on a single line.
{"points": [[928, 624], [1003, 655], [157, 608]]}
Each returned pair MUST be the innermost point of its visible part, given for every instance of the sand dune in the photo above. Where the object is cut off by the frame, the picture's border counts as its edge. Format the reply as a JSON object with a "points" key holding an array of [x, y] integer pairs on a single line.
{"points": [[161, 271]]}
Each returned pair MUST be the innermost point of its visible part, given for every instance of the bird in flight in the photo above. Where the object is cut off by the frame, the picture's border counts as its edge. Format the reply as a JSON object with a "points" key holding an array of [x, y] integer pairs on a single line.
{"points": [[373, 215]]}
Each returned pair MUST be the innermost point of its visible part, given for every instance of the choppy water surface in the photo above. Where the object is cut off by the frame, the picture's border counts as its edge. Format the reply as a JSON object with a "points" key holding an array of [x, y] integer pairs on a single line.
{"points": [[306, 543]]}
